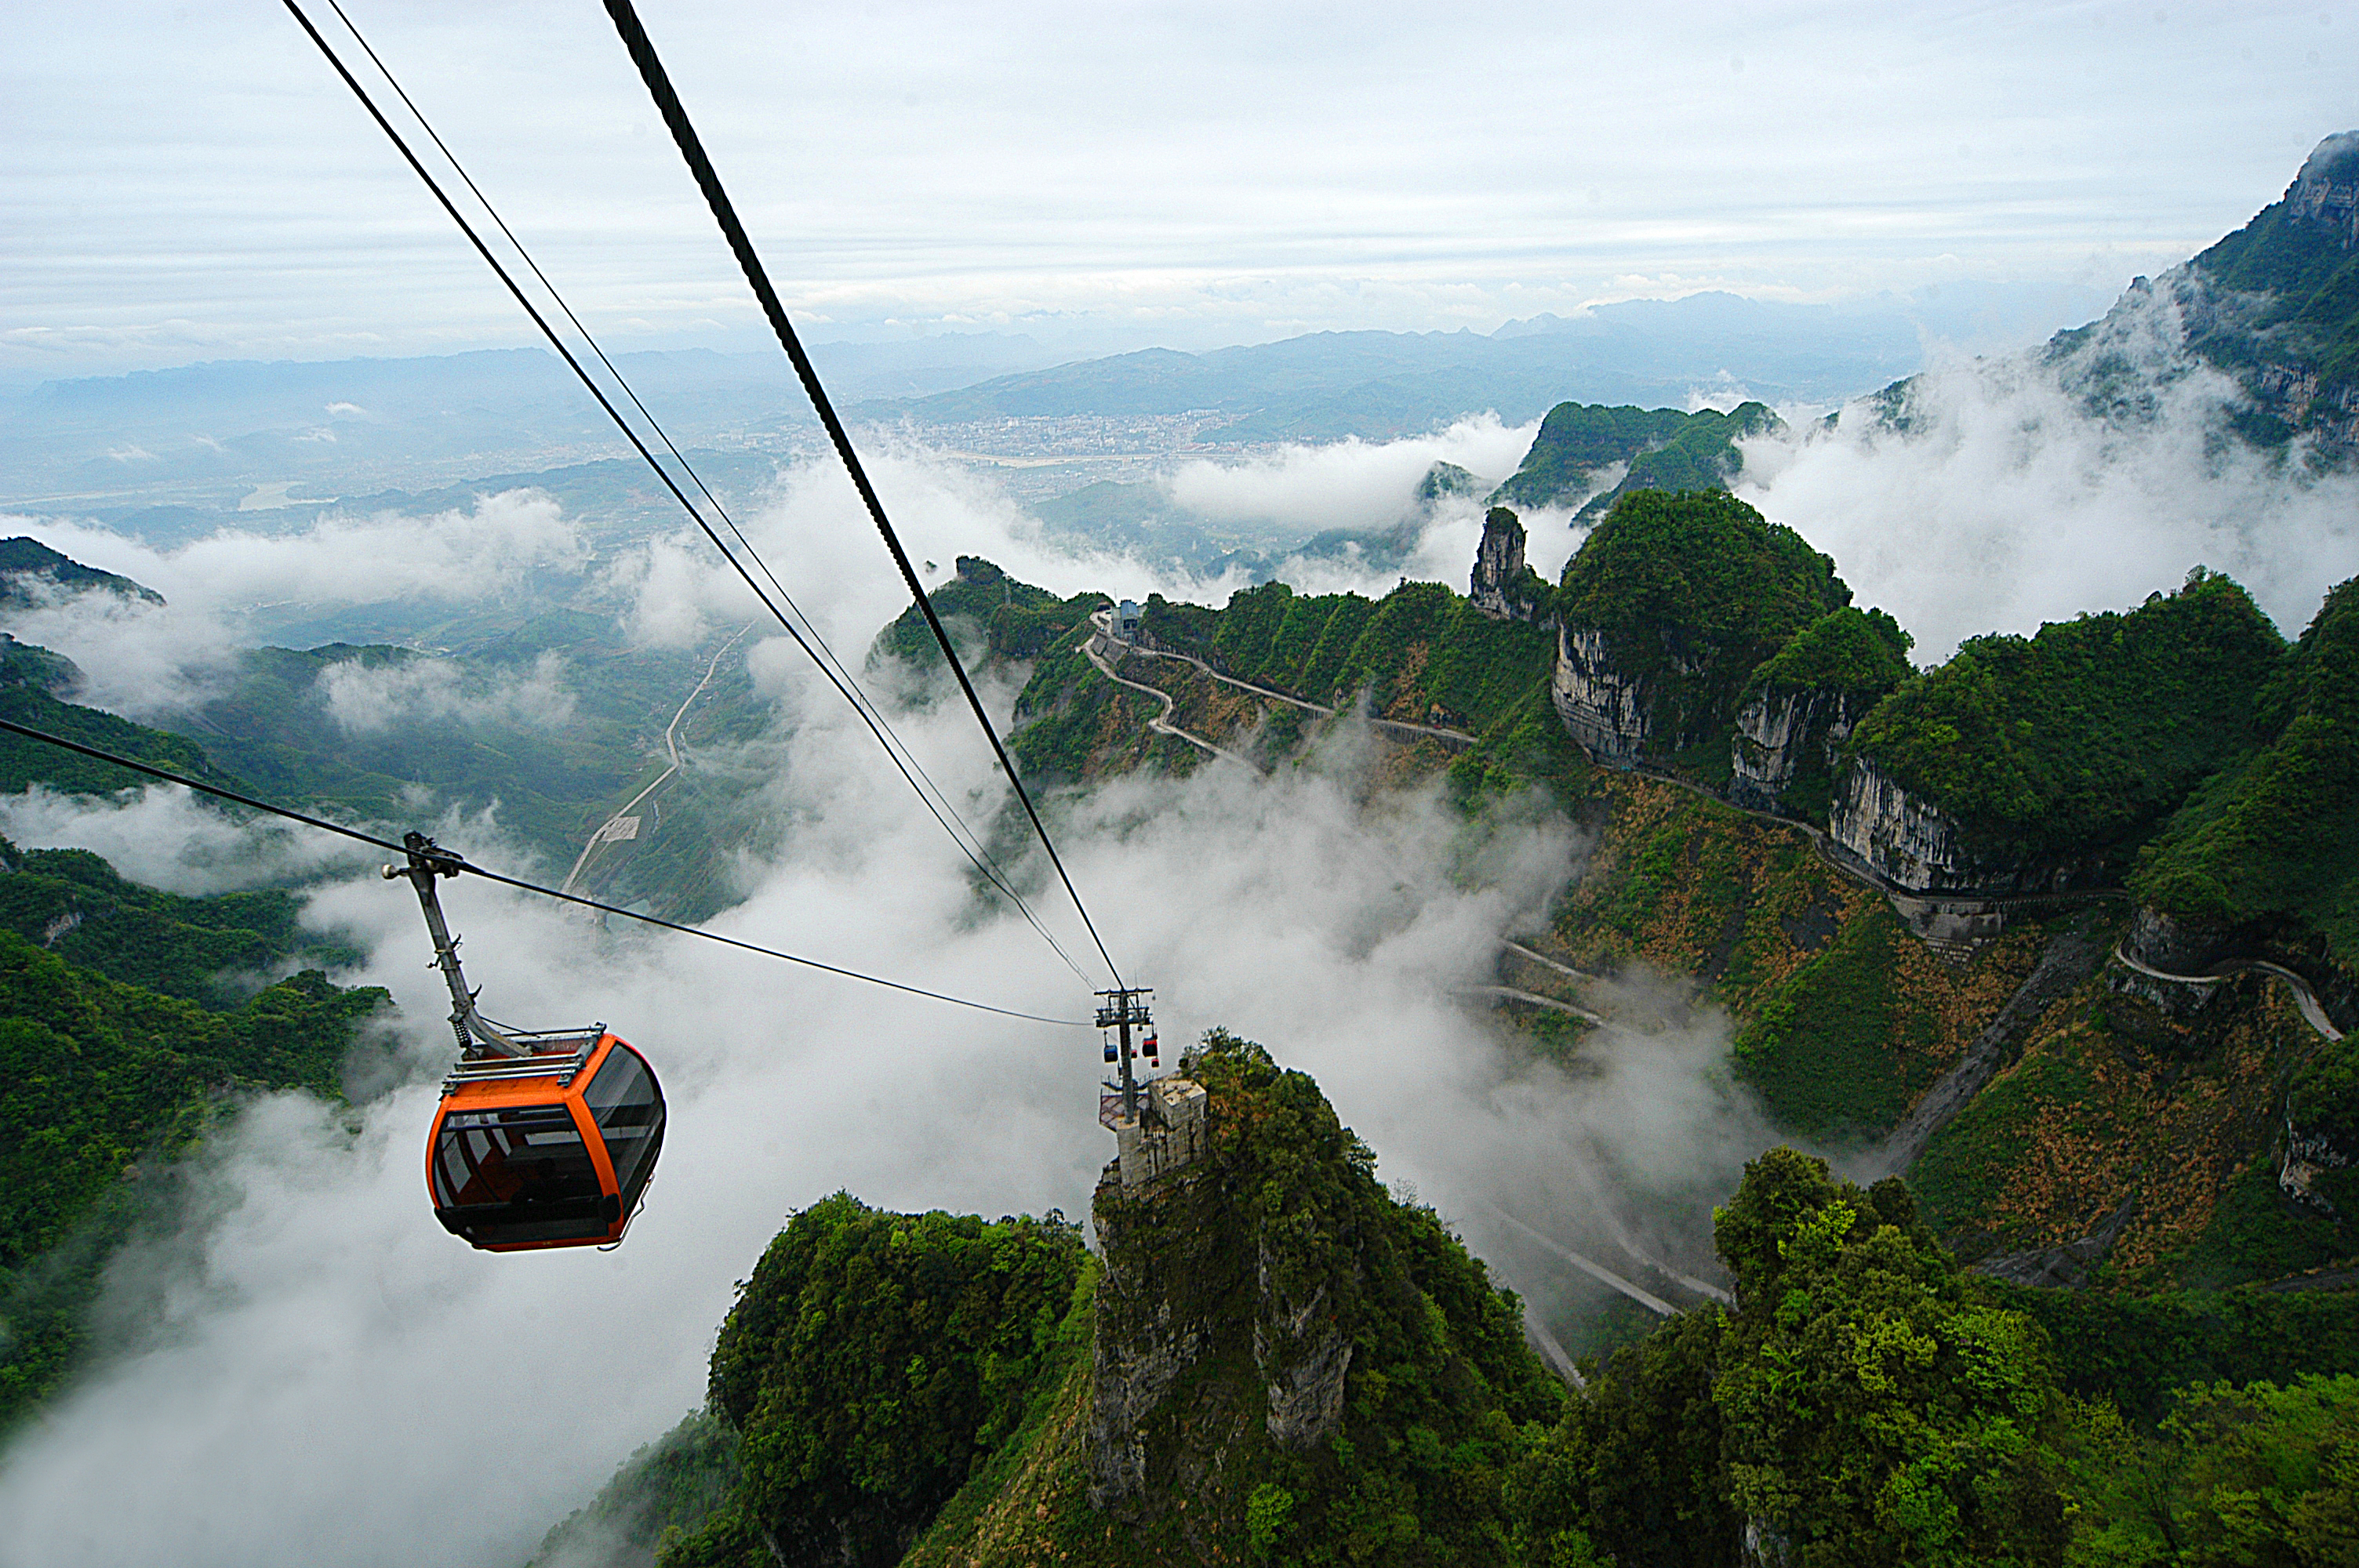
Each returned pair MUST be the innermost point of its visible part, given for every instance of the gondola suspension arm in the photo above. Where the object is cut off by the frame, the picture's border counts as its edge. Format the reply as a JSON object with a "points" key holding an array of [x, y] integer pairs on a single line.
{"points": [[428, 860]]}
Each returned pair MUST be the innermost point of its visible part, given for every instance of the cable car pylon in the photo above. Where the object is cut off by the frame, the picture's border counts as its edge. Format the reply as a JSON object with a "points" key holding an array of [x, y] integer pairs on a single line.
{"points": [[1125, 1010]]}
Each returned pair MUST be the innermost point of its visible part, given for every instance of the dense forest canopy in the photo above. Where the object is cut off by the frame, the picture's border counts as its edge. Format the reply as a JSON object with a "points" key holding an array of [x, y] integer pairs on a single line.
{"points": [[2275, 837], [2083, 737]]}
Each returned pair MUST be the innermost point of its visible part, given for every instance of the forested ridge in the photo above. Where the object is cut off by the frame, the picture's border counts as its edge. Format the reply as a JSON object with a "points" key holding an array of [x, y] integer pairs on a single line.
{"points": [[918, 1387], [102, 1085]]}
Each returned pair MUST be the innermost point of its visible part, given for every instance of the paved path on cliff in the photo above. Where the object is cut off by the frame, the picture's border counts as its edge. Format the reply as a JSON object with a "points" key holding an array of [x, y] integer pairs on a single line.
{"points": [[1595, 1269], [1850, 865], [1512, 946], [2070, 958], [1161, 724], [1102, 621], [2304, 998], [671, 750], [1514, 994]]}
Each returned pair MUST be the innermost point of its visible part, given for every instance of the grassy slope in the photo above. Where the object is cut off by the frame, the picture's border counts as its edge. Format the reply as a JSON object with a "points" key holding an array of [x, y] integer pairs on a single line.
{"points": [[2114, 1101]]}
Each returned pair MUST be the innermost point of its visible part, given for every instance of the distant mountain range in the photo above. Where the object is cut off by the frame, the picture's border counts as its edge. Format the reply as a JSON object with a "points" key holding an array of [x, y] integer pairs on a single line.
{"points": [[175, 451], [1328, 386]]}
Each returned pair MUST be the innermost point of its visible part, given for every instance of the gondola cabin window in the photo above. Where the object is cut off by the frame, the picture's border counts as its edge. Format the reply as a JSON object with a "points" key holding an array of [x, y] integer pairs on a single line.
{"points": [[624, 1102]]}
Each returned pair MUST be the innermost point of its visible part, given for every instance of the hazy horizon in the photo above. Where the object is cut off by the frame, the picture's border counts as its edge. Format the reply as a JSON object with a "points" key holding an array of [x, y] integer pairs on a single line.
{"points": [[213, 193]]}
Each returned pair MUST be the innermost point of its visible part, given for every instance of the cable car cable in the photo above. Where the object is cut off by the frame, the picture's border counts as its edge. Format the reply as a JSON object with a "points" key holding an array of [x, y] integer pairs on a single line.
{"points": [[29, 733], [850, 687], [616, 414], [642, 53]]}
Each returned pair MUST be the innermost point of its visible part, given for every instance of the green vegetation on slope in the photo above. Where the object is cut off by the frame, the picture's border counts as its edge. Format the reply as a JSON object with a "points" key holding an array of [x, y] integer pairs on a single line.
{"points": [[26, 677], [2261, 1475], [1692, 593], [1015, 619], [2166, 1120], [2274, 839], [2077, 741], [95, 1074], [1422, 654], [1245, 1274], [1864, 1404], [1838, 1051], [2315, 319], [871, 1364], [665, 1490], [2136, 1352], [210, 950], [1440, 1385], [1859, 652], [1666, 449]]}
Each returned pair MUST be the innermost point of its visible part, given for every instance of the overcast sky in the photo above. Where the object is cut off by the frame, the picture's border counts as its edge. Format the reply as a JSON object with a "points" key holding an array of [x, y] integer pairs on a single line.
{"points": [[190, 183]]}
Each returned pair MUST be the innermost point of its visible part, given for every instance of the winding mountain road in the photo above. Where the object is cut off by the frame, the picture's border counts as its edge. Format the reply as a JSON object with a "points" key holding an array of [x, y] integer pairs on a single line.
{"points": [[2304, 999], [613, 828], [1534, 999], [1103, 620], [1161, 724]]}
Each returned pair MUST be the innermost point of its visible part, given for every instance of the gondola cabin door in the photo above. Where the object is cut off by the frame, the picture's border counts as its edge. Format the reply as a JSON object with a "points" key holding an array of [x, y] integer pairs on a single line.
{"points": [[551, 1149]]}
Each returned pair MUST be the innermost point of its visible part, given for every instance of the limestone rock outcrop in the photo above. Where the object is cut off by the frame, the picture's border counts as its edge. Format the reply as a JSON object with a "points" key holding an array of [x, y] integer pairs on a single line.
{"points": [[1916, 847], [1503, 587], [1269, 1298], [1607, 711], [1780, 733]]}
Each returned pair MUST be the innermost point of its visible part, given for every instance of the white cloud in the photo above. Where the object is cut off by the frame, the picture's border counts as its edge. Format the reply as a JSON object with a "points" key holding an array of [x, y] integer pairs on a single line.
{"points": [[365, 698], [167, 837], [317, 1348], [2008, 504], [148, 662], [1350, 483]]}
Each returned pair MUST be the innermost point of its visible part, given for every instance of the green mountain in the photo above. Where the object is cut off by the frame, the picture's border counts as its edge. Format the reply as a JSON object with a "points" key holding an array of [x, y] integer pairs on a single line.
{"points": [[2270, 846], [1668, 608], [102, 1083], [1272, 1360], [1662, 449], [31, 680], [24, 562], [2168, 1108], [2289, 329], [2076, 742]]}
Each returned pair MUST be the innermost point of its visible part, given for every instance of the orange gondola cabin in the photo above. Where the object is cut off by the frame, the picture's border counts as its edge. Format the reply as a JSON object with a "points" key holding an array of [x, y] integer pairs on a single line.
{"points": [[548, 1149], [542, 1140]]}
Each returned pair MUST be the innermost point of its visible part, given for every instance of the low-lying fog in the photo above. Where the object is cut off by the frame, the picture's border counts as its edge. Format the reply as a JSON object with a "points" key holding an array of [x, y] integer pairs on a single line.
{"points": [[305, 1368]]}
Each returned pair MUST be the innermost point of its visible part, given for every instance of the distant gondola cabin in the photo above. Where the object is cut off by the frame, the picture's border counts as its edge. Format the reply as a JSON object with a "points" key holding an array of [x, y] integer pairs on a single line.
{"points": [[548, 1150]]}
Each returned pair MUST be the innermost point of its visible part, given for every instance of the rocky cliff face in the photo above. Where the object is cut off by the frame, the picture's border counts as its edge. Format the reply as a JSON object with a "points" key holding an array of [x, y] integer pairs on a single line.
{"points": [[1917, 848], [1782, 732], [2326, 191], [2177, 946], [1503, 587], [1606, 710], [1200, 1339]]}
